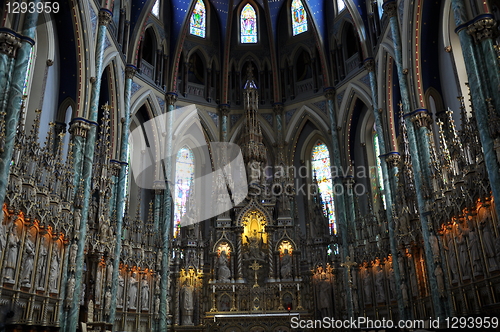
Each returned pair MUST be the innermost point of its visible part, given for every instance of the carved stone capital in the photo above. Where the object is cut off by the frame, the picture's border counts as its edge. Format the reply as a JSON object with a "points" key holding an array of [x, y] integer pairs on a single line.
{"points": [[224, 109], [79, 128], [130, 71], [329, 93], [369, 64], [171, 98], [105, 16], [482, 29], [390, 9], [9, 43], [278, 108], [421, 118], [393, 159]]}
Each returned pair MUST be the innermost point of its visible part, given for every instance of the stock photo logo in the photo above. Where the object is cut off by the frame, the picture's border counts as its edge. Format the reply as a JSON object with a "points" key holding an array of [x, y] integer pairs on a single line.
{"points": [[219, 179]]}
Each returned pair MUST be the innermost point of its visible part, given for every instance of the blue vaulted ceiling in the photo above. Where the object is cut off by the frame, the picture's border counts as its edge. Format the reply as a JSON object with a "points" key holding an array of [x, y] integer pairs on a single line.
{"points": [[180, 9]]}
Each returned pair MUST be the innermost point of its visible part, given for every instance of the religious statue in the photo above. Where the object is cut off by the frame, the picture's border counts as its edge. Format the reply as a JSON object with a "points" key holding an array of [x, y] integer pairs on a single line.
{"points": [[475, 253], [98, 285], [90, 312], [107, 302], [71, 289], [435, 247], [379, 281], [187, 303], [28, 260], [157, 307], [132, 291], [77, 217], [42, 263], [452, 258], [324, 290], [404, 294], [390, 274], [286, 265], [109, 273], [489, 243], [12, 250], [367, 285], [254, 243], [223, 270], [145, 294], [121, 286], [72, 255], [438, 272], [54, 271], [462, 253]]}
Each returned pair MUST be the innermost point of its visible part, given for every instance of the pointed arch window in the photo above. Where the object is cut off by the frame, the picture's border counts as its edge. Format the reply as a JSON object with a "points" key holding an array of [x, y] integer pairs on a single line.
{"points": [[299, 17], [29, 72], [156, 9], [340, 5], [184, 172], [378, 190], [320, 161], [248, 23], [197, 25]]}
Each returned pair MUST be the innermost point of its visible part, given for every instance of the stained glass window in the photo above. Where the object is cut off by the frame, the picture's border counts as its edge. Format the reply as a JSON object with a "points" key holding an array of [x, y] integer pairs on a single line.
{"points": [[320, 160], [380, 179], [248, 25], [184, 170], [299, 17], [340, 5], [198, 19], [156, 8]]}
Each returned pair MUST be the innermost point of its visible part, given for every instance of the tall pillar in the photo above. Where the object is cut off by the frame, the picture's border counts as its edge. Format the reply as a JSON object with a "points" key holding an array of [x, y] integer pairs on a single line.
{"points": [[370, 67], [14, 99], [479, 93], [339, 200], [171, 98], [121, 191], [439, 304], [105, 17], [224, 111], [10, 42]]}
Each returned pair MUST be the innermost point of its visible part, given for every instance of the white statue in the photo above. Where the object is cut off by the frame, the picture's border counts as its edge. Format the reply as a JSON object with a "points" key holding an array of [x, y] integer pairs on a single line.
{"points": [[223, 270], [379, 282], [28, 260], [90, 312], [132, 291], [77, 217], [187, 303], [286, 265], [109, 273], [42, 263], [72, 255], [12, 253], [434, 246], [54, 271], [98, 285], [145, 294], [107, 304], [367, 285], [452, 257], [157, 306], [71, 289], [121, 286]]}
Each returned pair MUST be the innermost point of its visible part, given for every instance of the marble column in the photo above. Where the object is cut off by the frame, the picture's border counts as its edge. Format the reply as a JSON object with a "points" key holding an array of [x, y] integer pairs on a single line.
{"points": [[171, 98], [15, 95], [105, 17], [340, 207], [10, 42], [370, 67], [121, 190], [440, 305], [224, 112], [479, 93]]}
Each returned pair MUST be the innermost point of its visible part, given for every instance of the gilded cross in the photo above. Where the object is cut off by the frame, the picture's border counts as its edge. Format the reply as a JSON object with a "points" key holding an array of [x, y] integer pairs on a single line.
{"points": [[255, 267]]}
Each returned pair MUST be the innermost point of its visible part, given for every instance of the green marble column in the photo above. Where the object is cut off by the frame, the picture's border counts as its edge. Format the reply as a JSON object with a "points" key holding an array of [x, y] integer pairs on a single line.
{"points": [[121, 190], [370, 67], [479, 92], [105, 17], [14, 99], [339, 200], [166, 230], [10, 42], [439, 304]]}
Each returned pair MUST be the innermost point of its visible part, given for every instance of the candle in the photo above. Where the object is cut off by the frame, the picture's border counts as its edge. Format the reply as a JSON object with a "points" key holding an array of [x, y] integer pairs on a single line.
{"points": [[280, 287], [298, 286], [213, 288], [233, 288]]}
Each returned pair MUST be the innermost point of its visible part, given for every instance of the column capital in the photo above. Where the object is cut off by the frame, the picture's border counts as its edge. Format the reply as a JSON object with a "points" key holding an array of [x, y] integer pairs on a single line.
{"points": [[421, 118], [9, 42], [329, 93], [130, 71], [392, 159], [105, 16], [369, 64], [224, 109], [390, 8], [79, 127], [278, 108], [171, 98], [482, 28]]}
